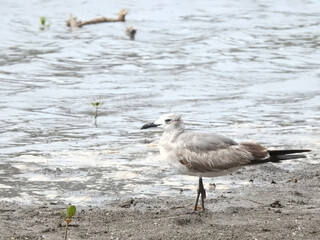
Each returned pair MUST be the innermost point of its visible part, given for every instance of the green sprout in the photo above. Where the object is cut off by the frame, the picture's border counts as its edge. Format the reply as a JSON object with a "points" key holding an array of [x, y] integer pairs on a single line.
{"points": [[43, 23], [96, 105], [67, 215]]}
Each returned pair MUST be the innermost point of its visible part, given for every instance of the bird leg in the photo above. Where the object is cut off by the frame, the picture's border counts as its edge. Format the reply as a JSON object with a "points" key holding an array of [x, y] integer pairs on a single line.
{"points": [[201, 191]]}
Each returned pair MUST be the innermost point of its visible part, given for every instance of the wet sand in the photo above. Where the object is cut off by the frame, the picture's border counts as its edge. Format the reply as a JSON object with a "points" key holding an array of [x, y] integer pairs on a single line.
{"points": [[285, 206]]}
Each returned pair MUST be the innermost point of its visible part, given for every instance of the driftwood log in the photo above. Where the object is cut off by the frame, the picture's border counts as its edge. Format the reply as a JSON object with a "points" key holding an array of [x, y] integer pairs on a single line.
{"points": [[74, 23]]}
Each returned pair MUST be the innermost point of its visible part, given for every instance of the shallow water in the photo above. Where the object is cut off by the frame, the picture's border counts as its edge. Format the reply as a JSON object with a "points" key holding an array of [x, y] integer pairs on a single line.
{"points": [[246, 69]]}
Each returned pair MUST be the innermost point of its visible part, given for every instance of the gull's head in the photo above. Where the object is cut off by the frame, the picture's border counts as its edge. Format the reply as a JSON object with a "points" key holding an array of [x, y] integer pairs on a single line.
{"points": [[168, 122]]}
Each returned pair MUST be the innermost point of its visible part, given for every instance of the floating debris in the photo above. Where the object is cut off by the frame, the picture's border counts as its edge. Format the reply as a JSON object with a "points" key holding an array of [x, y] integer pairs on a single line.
{"points": [[74, 23], [131, 32]]}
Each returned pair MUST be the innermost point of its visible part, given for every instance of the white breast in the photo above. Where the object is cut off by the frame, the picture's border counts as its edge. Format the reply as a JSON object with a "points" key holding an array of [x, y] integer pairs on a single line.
{"points": [[169, 151]]}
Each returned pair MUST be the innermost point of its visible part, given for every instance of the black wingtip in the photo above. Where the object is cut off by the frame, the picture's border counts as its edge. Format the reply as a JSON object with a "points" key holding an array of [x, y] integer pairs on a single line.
{"points": [[285, 152], [279, 155]]}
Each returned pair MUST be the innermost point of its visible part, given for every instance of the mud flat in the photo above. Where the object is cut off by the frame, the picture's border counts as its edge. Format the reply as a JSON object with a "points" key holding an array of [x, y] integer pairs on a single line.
{"points": [[285, 206]]}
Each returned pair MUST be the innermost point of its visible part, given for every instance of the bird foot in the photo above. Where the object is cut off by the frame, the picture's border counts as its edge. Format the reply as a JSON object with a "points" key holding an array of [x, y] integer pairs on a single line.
{"points": [[198, 209]]}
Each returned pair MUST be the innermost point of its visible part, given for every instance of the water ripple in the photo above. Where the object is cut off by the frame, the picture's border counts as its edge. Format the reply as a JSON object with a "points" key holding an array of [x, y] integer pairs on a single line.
{"points": [[244, 68]]}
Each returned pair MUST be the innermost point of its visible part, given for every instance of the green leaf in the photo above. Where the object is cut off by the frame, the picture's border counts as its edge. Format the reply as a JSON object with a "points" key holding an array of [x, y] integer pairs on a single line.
{"points": [[71, 210], [96, 104], [43, 20], [63, 213]]}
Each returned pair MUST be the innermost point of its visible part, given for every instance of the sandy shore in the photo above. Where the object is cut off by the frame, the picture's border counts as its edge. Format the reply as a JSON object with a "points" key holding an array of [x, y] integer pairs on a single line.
{"points": [[285, 206]]}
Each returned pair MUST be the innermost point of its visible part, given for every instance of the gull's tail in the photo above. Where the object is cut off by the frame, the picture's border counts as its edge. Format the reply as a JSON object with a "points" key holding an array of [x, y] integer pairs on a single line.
{"points": [[278, 155]]}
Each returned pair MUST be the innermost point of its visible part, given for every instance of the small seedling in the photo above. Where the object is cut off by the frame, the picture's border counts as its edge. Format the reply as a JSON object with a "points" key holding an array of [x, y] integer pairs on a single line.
{"points": [[67, 215], [43, 23], [96, 105]]}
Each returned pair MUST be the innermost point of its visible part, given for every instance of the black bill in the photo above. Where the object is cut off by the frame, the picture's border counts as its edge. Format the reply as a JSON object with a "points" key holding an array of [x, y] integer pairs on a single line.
{"points": [[149, 125]]}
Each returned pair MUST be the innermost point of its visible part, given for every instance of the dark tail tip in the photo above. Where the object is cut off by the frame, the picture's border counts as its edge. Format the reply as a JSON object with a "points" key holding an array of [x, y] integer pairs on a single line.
{"points": [[285, 152]]}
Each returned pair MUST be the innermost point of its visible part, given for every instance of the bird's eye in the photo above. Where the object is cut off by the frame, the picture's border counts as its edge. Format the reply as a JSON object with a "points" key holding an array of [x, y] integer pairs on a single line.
{"points": [[168, 120]]}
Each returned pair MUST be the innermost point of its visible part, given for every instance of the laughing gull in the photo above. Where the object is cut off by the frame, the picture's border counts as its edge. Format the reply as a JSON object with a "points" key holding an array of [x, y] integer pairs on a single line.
{"points": [[209, 154]]}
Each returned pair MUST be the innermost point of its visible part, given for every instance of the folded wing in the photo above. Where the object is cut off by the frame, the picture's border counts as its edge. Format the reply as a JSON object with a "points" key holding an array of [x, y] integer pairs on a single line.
{"points": [[210, 153]]}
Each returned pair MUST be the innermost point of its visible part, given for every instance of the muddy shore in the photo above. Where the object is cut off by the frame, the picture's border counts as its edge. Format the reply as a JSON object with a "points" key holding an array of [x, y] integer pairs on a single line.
{"points": [[284, 205]]}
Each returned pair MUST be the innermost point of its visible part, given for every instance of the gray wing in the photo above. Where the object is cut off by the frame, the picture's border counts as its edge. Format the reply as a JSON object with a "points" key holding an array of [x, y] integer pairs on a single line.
{"points": [[212, 152], [203, 142]]}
